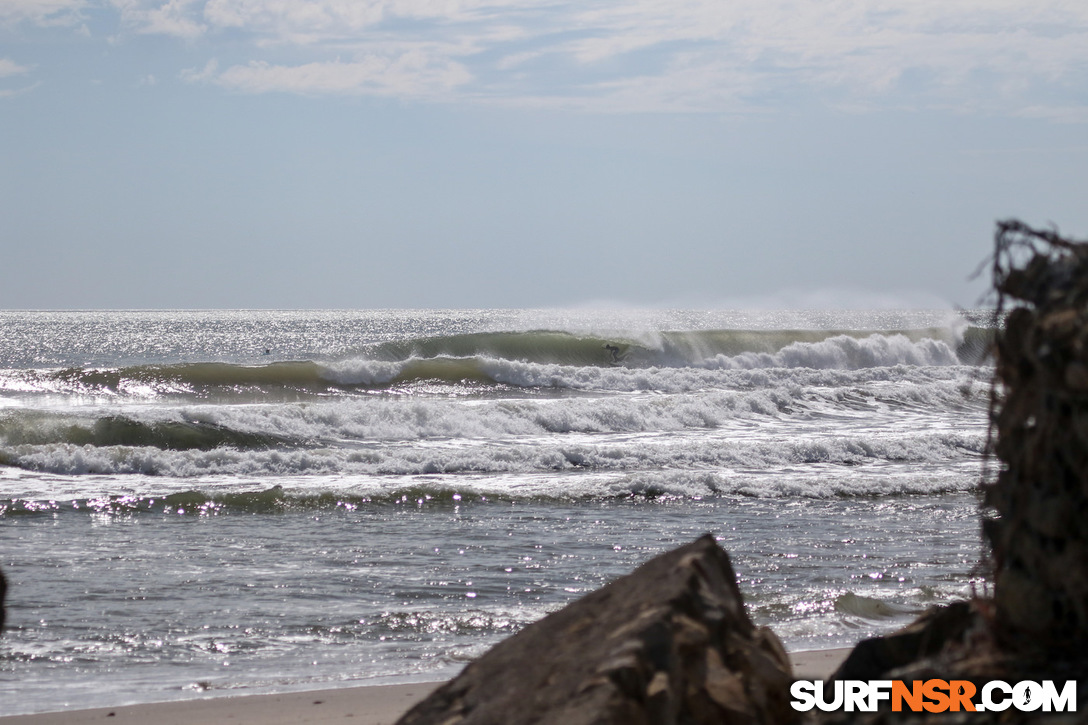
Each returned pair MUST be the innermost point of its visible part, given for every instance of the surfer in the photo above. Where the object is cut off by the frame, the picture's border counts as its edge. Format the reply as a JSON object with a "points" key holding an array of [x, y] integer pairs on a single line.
{"points": [[615, 351]]}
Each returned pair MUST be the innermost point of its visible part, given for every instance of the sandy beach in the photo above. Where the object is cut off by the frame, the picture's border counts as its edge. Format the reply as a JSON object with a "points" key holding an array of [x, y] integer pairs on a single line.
{"points": [[371, 705]]}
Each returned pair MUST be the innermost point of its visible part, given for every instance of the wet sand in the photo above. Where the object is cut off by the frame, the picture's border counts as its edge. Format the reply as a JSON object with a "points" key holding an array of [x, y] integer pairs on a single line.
{"points": [[368, 705]]}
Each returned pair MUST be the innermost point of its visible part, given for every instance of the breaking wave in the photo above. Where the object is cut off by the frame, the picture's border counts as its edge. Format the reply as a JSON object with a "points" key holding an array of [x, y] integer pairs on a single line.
{"points": [[631, 453], [856, 605], [709, 400], [417, 483], [38, 428], [538, 413], [521, 360]]}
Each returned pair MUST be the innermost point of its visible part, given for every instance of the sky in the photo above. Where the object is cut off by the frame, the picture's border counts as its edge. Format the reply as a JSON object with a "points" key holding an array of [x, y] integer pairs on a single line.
{"points": [[515, 153]]}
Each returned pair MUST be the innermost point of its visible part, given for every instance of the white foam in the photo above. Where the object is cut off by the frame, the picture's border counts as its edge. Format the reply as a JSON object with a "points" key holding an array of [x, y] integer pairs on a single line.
{"points": [[360, 371], [686, 371], [714, 450], [844, 352], [417, 418]]}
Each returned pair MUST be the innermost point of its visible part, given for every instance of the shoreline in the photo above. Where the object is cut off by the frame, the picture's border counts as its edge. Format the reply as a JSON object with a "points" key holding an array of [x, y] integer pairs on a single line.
{"points": [[362, 705]]}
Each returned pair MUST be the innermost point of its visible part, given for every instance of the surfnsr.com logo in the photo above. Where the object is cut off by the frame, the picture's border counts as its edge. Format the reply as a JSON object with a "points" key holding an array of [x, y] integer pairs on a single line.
{"points": [[934, 696]]}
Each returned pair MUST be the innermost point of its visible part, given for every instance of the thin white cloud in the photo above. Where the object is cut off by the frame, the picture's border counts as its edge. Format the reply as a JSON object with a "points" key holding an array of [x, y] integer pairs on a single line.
{"points": [[1003, 56], [205, 74], [41, 12], [11, 68], [1061, 114], [412, 75], [296, 21], [179, 18], [11, 93]]}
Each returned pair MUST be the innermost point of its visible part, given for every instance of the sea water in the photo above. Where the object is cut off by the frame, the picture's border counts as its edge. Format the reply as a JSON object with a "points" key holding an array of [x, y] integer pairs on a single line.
{"points": [[200, 503]]}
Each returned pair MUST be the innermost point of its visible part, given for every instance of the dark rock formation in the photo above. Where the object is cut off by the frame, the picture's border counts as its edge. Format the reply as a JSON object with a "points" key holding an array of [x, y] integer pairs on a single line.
{"points": [[669, 643], [934, 634], [1038, 504]]}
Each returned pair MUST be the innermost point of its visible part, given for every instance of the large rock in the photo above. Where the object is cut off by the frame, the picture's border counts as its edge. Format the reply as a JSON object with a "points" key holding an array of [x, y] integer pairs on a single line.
{"points": [[1037, 504], [669, 643]]}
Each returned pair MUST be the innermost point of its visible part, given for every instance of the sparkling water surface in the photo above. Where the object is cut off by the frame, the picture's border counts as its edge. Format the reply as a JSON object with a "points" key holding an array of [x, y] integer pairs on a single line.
{"points": [[313, 528]]}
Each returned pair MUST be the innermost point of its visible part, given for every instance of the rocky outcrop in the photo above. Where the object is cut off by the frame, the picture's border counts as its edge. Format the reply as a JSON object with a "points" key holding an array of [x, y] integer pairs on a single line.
{"points": [[669, 643], [1035, 625], [1038, 504]]}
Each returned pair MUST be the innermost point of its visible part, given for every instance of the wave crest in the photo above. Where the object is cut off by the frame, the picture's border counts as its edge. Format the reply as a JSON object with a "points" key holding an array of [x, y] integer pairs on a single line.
{"points": [[530, 359]]}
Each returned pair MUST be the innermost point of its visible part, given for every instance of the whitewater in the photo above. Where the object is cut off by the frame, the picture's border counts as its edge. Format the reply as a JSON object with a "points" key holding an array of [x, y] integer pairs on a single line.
{"points": [[198, 503]]}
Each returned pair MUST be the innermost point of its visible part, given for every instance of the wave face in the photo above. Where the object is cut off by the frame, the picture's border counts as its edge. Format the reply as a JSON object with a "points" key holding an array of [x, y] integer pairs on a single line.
{"points": [[646, 412], [524, 360]]}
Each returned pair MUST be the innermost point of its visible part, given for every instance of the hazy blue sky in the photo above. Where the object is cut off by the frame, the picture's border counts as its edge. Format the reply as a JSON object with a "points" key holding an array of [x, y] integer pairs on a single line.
{"points": [[472, 153]]}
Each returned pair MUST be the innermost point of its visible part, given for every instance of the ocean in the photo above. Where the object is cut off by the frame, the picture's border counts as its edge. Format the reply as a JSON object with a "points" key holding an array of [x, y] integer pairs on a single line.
{"points": [[208, 503]]}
